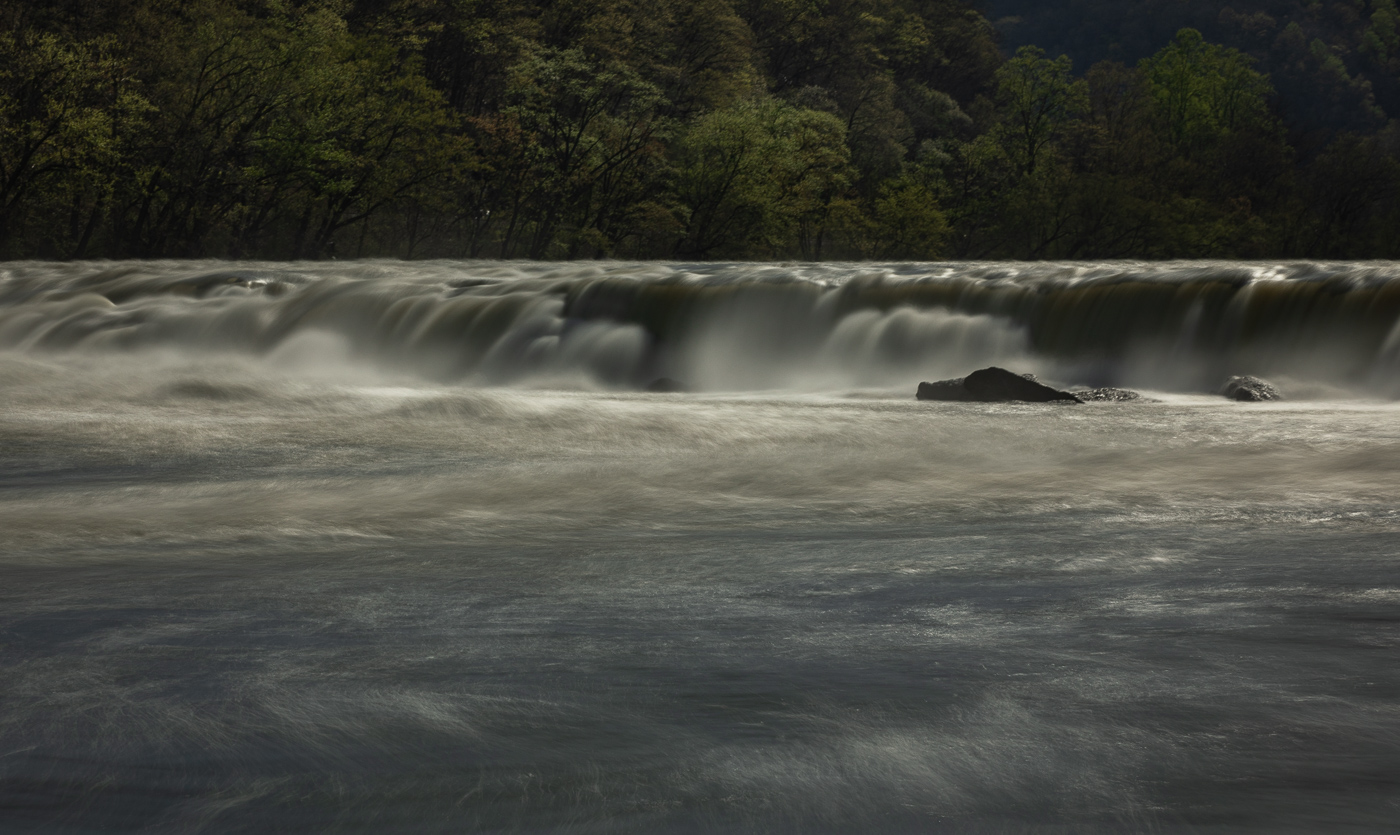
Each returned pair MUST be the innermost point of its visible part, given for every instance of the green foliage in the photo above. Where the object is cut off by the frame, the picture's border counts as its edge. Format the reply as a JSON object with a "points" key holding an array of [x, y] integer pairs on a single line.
{"points": [[65, 109], [1352, 190], [908, 221], [1038, 98], [586, 138], [753, 175], [1205, 92], [696, 128], [351, 139], [1352, 84], [1382, 37]]}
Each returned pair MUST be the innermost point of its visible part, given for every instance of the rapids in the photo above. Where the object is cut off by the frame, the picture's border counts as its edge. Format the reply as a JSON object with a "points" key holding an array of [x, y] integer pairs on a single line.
{"points": [[726, 327], [403, 547]]}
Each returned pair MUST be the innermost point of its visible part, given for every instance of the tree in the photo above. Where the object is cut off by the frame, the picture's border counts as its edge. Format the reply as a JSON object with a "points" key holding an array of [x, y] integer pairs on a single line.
{"points": [[357, 134], [752, 174], [1038, 98], [1205, 92], [65, 107], [589, 138], [215, 84], [1351, 193], [907, 222]]}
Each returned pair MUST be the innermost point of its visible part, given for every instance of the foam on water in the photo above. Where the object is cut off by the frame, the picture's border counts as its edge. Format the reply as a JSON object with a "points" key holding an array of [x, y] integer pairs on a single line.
{"points": [[1174, 326]]}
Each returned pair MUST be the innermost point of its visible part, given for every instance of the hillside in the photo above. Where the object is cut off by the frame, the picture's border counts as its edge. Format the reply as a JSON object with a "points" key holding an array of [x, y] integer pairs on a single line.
{"points": [[1335, 65], [698, 129]]}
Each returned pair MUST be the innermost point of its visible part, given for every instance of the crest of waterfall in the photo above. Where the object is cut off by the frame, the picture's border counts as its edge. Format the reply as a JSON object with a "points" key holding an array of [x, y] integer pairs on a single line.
{"points": [[1180, 326]]}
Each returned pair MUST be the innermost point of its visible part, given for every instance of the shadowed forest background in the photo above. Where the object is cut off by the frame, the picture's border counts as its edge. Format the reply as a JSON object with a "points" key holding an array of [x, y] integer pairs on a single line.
{"points": [[699, 129]]}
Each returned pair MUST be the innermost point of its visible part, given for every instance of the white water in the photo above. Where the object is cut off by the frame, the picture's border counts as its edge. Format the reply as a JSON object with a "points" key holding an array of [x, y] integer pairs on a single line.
{"points": [[260, 574]]}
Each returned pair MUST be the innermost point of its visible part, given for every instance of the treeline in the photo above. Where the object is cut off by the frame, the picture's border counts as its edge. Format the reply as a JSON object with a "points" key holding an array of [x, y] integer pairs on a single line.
{"points": [[691, 129], [1335, 65]]}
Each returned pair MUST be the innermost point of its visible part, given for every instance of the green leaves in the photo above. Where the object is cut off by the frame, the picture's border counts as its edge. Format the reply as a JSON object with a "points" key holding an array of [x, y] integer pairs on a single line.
{"points": [[698, 128], [590, 136], [751, 175], [1038, 98], [64, 109], [908, 222], [1205, 92]]}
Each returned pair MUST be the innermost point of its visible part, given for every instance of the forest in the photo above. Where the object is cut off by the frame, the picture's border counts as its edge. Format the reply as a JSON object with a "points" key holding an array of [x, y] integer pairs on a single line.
{"points": [[699, 129]]}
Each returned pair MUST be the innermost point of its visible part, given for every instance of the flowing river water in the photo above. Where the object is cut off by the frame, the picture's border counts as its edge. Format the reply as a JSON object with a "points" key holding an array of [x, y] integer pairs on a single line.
{"points": [[408, 547]]}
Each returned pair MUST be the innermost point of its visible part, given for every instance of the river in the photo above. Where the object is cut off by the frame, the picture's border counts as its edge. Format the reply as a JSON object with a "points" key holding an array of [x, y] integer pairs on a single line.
{"points": [[409, 547]]}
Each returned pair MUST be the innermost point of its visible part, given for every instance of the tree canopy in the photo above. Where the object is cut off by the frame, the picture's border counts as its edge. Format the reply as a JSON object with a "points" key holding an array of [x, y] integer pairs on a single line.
{"points": [[745, 129]]}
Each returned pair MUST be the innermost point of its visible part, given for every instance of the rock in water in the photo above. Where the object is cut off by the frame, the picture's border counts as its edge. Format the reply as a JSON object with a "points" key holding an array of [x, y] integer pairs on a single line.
{"points": [[993, 385], [996, 384], [1249, 390], [666, 385], [1108, 394], [944, 390]]}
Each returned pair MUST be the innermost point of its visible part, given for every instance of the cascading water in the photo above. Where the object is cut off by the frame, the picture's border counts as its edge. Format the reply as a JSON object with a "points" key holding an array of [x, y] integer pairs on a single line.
{"points": [[1168, 326], [408, 547]]}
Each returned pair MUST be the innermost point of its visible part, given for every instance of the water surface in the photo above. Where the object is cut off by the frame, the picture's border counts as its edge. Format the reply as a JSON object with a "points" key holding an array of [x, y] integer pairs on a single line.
{"points": [[388, 547]]}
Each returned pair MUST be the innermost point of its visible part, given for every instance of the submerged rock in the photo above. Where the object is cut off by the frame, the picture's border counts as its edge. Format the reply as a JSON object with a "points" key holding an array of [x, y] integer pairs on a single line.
{"points": [[206, 390], [994, 385], [1250, 390], [666, 385], [1107, 394]]}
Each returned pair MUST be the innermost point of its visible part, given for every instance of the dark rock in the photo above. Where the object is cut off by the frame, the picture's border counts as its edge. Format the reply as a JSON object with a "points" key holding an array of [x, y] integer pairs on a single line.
{"points": [[993, 385], [204, 390], [997, 384], [1249, 390], [945, 390], [666, 385], [1108, 394]]}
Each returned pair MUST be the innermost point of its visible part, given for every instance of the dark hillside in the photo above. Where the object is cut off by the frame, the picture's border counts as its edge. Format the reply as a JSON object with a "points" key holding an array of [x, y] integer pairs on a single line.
{"points": [[698, 129], [1334, 64]]}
